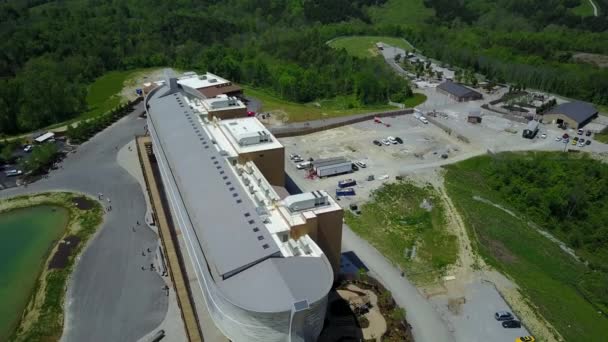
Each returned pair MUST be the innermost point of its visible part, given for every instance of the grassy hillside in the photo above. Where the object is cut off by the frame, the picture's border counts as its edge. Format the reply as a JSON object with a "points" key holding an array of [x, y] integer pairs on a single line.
{"points": [[394, 222], [565, 291], [401, 12], [365, 46]]}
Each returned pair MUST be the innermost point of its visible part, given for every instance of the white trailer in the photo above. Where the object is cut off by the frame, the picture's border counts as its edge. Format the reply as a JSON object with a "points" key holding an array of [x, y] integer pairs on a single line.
{"points": [[332, 166]]}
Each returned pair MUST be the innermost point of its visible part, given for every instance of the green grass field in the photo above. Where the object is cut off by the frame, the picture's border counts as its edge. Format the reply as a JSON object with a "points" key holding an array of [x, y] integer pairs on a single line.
{"points": [[546, 275], [584, 9], [365, 46], [401, 12], [394, 222], [322, 109]]}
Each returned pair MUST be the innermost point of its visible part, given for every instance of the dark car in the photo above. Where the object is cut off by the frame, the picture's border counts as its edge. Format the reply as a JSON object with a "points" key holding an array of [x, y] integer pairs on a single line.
{"points": [[588, 133], [377, 143], [575, 139], [399, 140], [588, 142], [355, 167], [511, 324], [565, 136]]}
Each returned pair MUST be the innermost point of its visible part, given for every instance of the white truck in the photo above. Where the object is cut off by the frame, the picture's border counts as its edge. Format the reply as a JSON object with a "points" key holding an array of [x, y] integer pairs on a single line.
{"points": [[420, 116]]}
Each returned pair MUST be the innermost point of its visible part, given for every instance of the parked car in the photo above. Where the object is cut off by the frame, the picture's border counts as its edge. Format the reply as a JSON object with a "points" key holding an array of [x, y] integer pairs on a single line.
{"points": [[580, 131], [392, 140], [377, 143], [574, 142], [543, 136], [575, 139], [355, 167], [588, 133], [503, 316], [303, 165], [581, 141], [297, 160], [565, 136], [399, 140], [293, 156], [385, 142], [27, 148], [361, 164], [588, 142], [581, 144], [558, 138], [12, 173], [511, 324], [525, 339]]}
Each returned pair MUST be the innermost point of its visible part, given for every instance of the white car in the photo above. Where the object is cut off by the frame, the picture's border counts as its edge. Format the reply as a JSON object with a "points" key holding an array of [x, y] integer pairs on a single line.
{"points": [[391, 140], [558, 138], [303, 165], [386, 142], [543, 136], [361, 164], [27, 148], [581, 144]]}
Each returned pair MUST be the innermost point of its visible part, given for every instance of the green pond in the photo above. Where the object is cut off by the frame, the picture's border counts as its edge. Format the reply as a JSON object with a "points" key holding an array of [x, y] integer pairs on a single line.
{"points": [[26, 238]]}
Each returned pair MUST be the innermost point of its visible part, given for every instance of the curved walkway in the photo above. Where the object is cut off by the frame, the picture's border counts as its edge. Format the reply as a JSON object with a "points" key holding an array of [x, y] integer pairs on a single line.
{"points": [[110, 298]]}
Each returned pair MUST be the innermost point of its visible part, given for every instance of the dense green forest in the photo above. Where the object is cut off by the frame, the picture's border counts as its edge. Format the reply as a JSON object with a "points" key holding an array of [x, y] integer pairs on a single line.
{"points": [[565, 195], [50, 51], [528, 42]]}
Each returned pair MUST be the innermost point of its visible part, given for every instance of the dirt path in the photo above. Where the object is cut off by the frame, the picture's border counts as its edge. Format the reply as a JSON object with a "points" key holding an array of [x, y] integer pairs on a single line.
{"points": [[470, 269]]}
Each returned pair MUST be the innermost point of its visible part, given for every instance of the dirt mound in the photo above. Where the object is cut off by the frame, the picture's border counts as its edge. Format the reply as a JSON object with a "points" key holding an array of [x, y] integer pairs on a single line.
{"points": [[83, 203], [64, 250]]}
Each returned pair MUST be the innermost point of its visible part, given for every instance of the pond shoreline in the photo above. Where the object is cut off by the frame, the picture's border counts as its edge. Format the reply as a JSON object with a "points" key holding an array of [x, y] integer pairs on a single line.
{"points": [[43, 316]]}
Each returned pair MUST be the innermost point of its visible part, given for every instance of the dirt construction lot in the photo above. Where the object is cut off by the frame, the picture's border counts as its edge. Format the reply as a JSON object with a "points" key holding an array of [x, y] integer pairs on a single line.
{"points": [[422, 144]]}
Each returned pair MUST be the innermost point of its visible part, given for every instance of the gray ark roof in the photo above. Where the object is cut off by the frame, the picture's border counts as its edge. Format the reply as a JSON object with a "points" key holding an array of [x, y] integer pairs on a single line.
{"points": [[235, 243], [456, 89], [578, 111]]}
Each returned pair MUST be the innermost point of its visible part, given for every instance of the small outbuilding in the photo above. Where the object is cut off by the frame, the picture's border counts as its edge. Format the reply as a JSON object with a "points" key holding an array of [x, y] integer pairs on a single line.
{"points": [[458, 92], [573, 114], [474, 119], [44, 137]]}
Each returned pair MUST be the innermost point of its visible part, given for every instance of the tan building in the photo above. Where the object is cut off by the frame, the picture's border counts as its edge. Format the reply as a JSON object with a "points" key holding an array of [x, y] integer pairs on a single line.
{"points": [[224, 107], [572, 114], [209, 85]]}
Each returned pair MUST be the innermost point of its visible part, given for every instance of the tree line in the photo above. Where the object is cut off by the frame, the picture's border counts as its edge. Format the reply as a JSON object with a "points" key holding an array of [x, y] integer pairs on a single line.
{"points": [[51, 51]]}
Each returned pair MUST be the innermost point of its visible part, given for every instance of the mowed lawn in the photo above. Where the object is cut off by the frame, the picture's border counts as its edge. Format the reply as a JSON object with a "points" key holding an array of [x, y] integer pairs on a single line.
{"points": [[547, 276], [584, 9], [395, 223], [401, 12], [323, 109], [365, 46], [104, 93]]}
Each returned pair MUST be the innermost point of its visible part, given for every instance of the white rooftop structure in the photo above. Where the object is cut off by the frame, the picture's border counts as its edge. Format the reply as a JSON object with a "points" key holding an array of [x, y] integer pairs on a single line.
{"points": [[194, 81], [44, 137]]}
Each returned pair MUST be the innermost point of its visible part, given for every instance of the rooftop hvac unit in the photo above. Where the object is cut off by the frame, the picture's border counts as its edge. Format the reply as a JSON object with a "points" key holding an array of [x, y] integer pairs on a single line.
{"points": [[213, 80], [246, 181], [202, 77], [251, 189]]}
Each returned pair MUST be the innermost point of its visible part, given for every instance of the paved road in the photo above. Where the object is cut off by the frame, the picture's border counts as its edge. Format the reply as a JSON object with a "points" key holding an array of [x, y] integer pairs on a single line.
{"points": [[594, 7], [109, 297], [427, 325]]}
